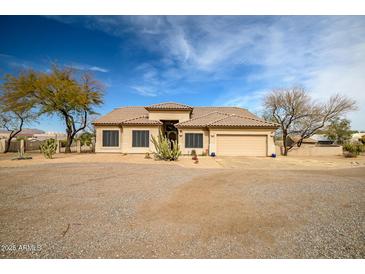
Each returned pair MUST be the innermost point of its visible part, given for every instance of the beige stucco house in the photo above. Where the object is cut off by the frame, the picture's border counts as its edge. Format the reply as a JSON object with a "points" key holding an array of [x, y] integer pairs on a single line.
{"points": [[225, 131]]}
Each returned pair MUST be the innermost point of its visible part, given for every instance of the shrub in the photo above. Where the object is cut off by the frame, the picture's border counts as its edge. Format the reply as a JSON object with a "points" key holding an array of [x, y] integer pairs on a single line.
{"points": [[165, 149], [63, 143], [353, 149], [86, 138], [362, 139], [48, 148]]}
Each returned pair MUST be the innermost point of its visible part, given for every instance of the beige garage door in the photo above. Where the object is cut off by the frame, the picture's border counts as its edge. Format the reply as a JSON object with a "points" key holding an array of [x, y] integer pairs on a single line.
{"points": [[241, 145]]}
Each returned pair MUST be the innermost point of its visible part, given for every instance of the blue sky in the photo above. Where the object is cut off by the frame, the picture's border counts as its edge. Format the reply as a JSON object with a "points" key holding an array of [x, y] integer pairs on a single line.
{"points": [[200, 61]]}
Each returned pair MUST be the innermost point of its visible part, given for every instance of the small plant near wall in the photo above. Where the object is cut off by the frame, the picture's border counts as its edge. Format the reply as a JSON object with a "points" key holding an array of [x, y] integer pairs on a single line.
{"points": [[48, 148], [147, 155], [195, 156], [165, 149], [22, 156]]}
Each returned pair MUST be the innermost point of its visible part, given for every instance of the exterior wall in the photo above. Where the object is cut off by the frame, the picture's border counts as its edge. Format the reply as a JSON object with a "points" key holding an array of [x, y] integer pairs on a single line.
{"points": [[198, 150], [99, 139], [312, 150], [169, 115], [268, 132], [127, 139]]}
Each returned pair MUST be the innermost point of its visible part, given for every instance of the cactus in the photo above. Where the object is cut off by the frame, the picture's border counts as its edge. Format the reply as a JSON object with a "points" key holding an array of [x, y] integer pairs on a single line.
{"points": [[165, 149], [48, 148]]}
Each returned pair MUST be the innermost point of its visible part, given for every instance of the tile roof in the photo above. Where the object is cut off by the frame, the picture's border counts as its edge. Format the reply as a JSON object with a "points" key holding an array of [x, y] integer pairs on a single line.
{"points": [[200, 111], [118, 115], [200, 117], [296, 138], [169, 106], [219, 119], [143, 120]]}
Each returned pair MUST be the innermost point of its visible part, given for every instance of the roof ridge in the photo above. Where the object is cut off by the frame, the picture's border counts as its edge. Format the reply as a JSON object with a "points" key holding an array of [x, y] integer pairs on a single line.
{"points": [[193, 119], [220, 107], [134, 118], [227, 114], [180, 104], [254, 119]]}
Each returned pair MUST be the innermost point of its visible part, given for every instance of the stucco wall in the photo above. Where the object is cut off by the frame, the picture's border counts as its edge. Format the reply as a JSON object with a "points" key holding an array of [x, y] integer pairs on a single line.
{"points": [[198, 150], [169, 115], [127, 139], [311, 150], [99, 139], [268, 132]]}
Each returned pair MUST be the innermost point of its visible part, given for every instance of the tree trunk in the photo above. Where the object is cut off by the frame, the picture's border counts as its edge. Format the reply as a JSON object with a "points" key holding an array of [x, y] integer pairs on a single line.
{"points": [[285, 135], [7, 145], [68, 144]]}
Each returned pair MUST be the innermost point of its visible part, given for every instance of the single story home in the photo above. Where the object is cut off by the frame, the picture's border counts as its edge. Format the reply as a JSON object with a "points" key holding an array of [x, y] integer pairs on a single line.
{"points": [[292, 140], [225, 131]]}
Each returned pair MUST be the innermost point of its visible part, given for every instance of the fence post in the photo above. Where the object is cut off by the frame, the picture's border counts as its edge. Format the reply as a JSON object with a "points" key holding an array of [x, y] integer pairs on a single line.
{"points": [[2, 145], [58, 150], [21, 148], [78, 146]]}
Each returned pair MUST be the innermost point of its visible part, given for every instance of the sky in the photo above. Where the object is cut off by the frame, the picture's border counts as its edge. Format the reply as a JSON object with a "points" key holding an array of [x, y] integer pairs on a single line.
{"points": [[194, 60]]}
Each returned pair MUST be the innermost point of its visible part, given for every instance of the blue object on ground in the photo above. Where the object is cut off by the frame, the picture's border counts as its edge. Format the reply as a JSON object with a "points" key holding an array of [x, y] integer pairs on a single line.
{"points": [[212, 154], [273, 155]]}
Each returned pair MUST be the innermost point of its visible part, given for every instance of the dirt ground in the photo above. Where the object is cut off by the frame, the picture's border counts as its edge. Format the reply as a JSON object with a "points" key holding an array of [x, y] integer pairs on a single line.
{"points": [[113, 206]]}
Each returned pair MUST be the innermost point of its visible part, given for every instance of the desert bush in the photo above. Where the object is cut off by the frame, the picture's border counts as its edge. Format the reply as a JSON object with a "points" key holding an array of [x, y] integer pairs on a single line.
{"points": [[362, 139], [86, 138], [353, 149], [63, 143], [165, 149], [48, 148]]}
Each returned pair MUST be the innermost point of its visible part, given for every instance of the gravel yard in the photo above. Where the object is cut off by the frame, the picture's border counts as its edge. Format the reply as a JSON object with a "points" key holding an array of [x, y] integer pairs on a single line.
{"points": [[126, 210]]}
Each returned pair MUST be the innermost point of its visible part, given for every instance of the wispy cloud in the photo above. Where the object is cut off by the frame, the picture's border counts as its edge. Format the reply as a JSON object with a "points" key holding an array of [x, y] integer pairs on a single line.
{"points": [[87, 67], [144, 91], [325, 54]]}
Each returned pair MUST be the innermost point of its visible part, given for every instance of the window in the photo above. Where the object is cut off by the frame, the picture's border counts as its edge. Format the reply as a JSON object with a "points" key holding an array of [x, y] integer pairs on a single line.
{"points": [[140, 138], [110, 138], [193, 140]]}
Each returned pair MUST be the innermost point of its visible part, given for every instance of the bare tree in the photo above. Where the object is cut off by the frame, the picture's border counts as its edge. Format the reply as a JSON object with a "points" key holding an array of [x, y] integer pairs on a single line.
{"points": [[298, 114]]}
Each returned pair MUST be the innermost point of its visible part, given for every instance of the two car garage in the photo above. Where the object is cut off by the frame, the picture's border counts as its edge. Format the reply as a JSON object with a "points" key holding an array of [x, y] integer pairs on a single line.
{"points": [[241, 145]]}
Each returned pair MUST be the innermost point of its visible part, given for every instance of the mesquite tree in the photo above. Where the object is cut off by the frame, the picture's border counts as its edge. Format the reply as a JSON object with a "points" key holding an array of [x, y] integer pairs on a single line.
{"points": [[296, 113], [62, 92], [72, 98], [15, 111]]}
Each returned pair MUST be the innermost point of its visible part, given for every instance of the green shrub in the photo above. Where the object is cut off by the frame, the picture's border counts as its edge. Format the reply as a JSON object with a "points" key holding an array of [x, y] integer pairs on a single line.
{"points": [[362, 139], [165, 149], [48, 148], [63, 143], [353, 149], [86, 138]]}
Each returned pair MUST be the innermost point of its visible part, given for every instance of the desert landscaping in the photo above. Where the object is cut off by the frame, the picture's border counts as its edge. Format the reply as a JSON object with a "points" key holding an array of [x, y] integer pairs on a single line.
{"points": [[126, 206]]}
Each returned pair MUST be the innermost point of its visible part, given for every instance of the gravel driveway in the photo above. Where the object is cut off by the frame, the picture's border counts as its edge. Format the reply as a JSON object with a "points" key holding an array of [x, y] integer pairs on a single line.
{"points": [[121, 210]]}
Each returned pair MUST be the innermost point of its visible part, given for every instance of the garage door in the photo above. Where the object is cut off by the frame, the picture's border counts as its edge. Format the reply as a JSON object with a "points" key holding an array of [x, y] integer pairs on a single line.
{"points": [[241, 145]]}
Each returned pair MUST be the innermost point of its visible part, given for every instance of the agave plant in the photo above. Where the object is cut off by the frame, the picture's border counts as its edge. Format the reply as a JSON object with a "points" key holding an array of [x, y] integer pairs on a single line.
{"points": [[165, 149], [48, 148]]}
